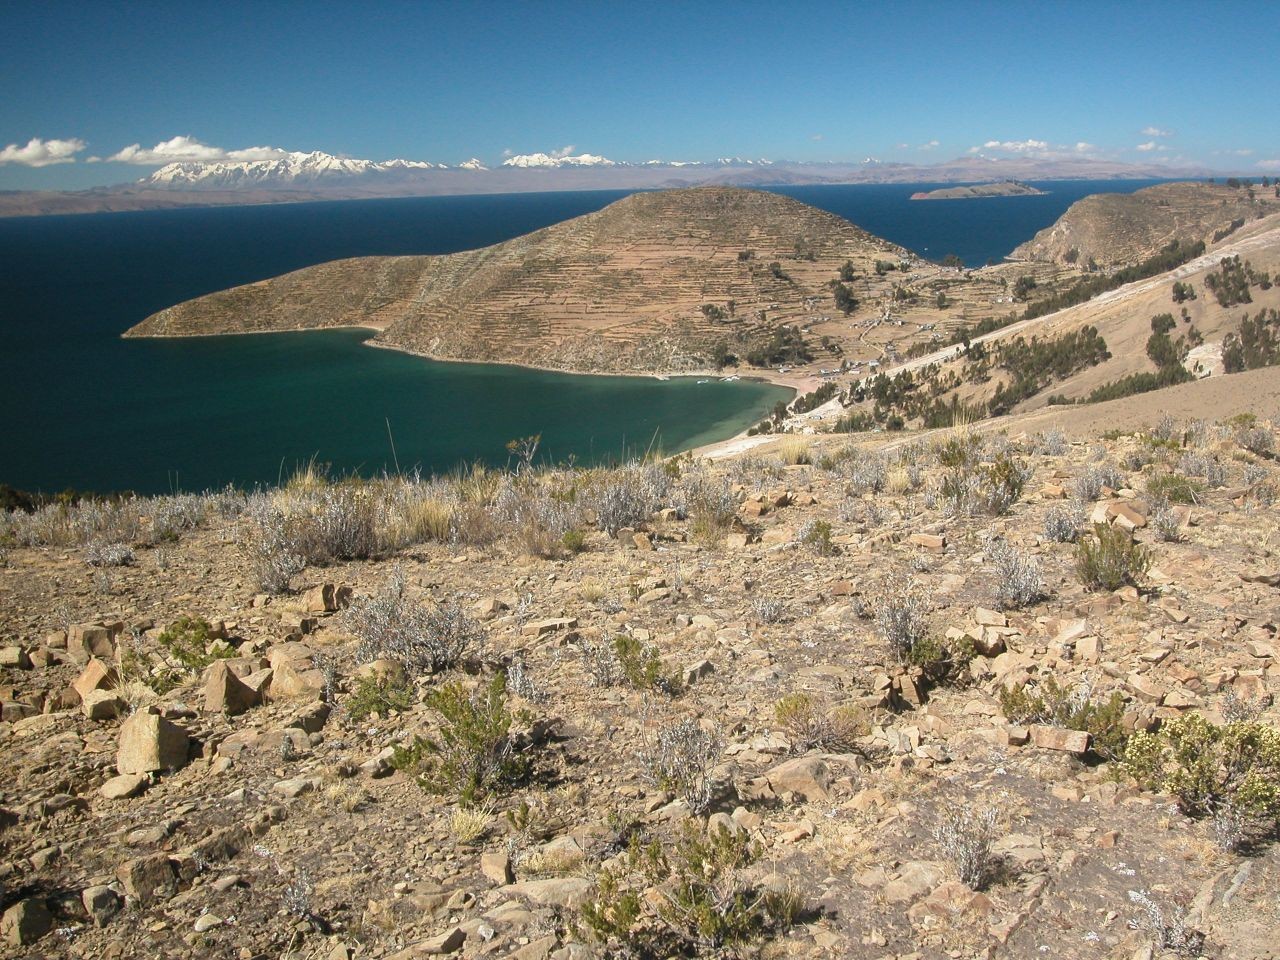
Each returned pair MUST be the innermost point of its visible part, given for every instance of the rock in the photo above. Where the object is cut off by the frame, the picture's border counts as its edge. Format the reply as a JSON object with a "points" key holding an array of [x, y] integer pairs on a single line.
{"points": [[496, 865], [932, 542], [97, 675], [951, 899], [25, 922], [88, 640], [294, 787], [125, 785], [12, 711], [325, 598], [1059, 738], [382, 670], [694, 673], [914, 880], [101, 903], [448, 942], [148, 879], [102, 705], [809, 777], [989, 618], [15, 658], [541, 628], [226, 693], [642, 541], [296, 678], [554, 891], [151, 744]]}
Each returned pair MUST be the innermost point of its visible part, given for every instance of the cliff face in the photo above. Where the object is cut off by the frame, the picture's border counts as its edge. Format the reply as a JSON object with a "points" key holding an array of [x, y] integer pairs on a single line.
{"points": [[638, 286], [1116, 229]]}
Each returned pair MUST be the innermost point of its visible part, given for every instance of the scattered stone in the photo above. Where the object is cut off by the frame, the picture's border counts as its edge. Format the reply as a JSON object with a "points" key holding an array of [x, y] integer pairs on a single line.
{"points": [[125, 785], [151, 744], [26, 922], [226, 693], [1059, 738]]}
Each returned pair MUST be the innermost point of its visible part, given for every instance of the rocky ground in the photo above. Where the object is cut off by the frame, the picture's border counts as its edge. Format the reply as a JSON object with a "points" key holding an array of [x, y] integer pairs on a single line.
{"points": [[255, 809]]}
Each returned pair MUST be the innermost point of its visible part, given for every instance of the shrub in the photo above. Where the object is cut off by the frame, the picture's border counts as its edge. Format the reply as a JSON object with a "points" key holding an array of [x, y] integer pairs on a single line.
{"points": [[816, 535], [1063, 523], [1110, 558], [1174, 488], [812, 725], [701, 906], [642, 667], [187, 640], [988, 489], [629, 496], [710, 503], [1018, 580], [1166, 525], [270, 546], [901, 616], [341, 525], [681, 759], [1167, 930], [1212, 470], [389, 625], [1089, 484], [473, 752], [101, 554], [1209, 767], [965, 836], [1073, 708], [171, 516], [379, 695]]}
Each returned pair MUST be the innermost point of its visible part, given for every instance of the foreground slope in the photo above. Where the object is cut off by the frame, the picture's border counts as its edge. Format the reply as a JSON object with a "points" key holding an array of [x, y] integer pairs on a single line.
{"points": [[623, 289], [288, 825]]}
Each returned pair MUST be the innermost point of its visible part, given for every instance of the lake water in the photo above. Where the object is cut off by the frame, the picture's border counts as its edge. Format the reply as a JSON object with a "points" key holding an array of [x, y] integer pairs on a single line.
{"points": [[84, 408]]}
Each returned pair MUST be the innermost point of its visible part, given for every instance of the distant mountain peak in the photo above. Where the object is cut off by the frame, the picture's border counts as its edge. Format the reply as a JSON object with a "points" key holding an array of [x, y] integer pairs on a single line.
{"points": [[552, 162]]}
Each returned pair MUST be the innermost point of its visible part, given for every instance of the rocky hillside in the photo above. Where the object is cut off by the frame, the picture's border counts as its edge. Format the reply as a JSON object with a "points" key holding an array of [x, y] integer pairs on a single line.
{"points": [[1118, 229], [926, 696], [652, 282]]}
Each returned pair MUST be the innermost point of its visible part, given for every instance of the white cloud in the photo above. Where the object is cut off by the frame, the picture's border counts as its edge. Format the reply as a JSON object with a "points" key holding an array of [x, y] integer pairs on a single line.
{"points": [[816, 136], [1017, 146], [931, 145], [1243, 152], [42, 153], [1148, 147], [1156, 132], [1269, 164], [563, 152], [189, 149], [1083, 147]]}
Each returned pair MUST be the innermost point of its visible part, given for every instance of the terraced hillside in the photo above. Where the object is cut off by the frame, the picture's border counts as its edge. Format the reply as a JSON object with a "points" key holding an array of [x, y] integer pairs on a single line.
{"points": [[1118, 229], [653, 282]]}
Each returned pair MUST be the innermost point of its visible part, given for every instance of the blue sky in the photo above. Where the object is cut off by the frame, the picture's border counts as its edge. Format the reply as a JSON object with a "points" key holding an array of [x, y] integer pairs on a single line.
{"points": [[922, 82]]}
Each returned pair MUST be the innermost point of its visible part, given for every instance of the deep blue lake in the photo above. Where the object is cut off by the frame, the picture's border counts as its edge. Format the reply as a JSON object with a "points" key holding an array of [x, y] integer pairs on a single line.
{"points": [[84, 408]]}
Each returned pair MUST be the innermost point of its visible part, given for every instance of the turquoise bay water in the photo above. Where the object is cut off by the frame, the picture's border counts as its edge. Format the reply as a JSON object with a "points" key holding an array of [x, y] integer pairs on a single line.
{"points": [[84, 408]]}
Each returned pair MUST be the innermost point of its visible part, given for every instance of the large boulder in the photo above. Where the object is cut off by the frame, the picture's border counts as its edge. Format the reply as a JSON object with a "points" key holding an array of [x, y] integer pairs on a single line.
{"points": [[88, 640], [25, 922], [808, 777], [150, 744], [97, 675], [224, 692]]}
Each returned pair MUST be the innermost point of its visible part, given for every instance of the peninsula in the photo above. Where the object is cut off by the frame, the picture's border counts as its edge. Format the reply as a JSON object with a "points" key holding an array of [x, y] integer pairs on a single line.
{"points": [[656, 282], [1004, 188]]}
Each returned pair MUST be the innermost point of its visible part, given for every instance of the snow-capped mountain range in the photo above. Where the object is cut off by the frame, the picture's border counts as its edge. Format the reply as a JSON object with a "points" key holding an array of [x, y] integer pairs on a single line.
{"points": [[306, 170], [293, 169]]}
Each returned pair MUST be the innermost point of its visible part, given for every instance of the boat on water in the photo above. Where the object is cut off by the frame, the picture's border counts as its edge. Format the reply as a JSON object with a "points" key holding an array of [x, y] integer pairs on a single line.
{"points": [[729, 379]]}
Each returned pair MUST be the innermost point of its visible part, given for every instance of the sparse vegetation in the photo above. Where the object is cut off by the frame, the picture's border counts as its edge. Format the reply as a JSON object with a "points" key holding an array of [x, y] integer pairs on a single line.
{"points": [[1110, 559]]}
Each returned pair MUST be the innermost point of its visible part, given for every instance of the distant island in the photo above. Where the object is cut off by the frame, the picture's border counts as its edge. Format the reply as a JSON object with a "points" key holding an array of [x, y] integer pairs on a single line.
{"points": [[1004, 188]]}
